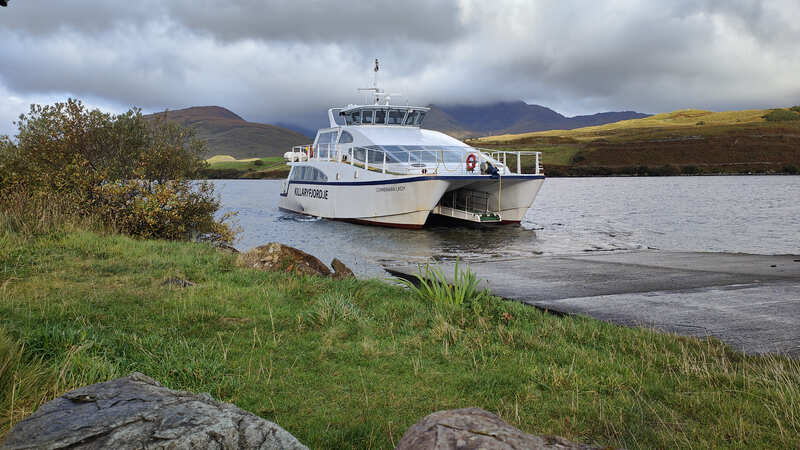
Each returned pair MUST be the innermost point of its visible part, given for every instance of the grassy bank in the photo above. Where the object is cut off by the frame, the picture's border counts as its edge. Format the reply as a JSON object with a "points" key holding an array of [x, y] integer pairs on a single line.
{"points": [[689, 142], [226, 167], [353, 364]]}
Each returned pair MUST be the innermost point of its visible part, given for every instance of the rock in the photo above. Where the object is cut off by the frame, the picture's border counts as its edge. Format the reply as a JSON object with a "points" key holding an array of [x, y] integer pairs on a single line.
{"points": [[137, 412], [340, 270], [474, 428], [277, 257], [225, 248], [177, 282]]}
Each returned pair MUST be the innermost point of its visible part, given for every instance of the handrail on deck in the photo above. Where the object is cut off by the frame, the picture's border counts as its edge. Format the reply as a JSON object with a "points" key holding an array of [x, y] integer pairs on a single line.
{"points": [[332, 152], [501, 156]]}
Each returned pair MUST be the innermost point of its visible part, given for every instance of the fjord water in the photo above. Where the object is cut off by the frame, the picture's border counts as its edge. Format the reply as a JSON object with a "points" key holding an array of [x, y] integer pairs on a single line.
{"points": [[739, 214]]}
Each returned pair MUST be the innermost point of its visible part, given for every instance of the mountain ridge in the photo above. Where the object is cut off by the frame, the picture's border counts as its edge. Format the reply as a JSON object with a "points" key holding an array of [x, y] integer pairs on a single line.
{"points": [[470, 121], [227, 133]]}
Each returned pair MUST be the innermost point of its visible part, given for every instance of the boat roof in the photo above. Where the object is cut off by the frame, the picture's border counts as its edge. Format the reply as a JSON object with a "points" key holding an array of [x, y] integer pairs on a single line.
{"points": [[392, 135], [350, 108]]}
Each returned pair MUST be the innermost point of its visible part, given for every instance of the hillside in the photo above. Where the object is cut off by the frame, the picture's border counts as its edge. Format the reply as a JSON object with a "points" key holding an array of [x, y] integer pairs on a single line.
{"points": [[686, 141], [229, 134], [465, 121]]}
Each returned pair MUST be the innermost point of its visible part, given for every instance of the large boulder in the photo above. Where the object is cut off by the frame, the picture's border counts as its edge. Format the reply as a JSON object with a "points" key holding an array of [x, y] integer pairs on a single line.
{"points": [[137, 412], [474, 428], [277, 257]]}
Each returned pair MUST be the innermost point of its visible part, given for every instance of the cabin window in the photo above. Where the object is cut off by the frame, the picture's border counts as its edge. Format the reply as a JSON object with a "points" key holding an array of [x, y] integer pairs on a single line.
{"points": [[395, 153], [345, 138], [356, 117], [376, 156], [319, 175], [366, 116], [380, 117], [420, 118], [396, 116], [348, 117], [297, 173], [306, 173], [358, 153], [411, 117], [325, 143]]}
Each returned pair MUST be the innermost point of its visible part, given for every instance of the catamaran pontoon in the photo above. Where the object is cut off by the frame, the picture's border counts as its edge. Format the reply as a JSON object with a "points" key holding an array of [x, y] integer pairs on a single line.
{"points": [[376, 164]]}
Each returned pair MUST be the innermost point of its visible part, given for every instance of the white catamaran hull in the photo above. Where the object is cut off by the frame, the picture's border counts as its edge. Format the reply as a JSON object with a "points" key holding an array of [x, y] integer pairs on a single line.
{"points": [[390, 202], [405, 202]]}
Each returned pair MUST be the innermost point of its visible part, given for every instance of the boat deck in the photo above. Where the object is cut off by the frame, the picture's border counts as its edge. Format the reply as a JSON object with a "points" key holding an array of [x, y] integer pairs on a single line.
{"points": [[751, 302]]}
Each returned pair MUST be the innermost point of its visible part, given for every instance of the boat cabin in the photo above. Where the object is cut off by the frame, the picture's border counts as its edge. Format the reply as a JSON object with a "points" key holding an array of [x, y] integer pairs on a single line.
{"points": [[409, 116]]}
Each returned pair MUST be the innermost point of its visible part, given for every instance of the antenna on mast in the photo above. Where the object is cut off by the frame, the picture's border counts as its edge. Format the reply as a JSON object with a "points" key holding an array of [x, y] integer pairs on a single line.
{"points": [[375, 77], [376, 91]]}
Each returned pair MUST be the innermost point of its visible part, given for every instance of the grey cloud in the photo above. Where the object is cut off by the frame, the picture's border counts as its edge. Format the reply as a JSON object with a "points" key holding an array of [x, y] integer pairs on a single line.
{"points": [[384, 23], [289, 61], [378, 22]]}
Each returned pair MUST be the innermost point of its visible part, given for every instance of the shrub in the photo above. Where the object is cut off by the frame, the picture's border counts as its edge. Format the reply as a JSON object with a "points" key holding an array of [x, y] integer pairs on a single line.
{"points": [[781, 115], [258, 162], [133, 174], [432, 286], [790, 168], [690, 170], [795, 109], [578, 158]]}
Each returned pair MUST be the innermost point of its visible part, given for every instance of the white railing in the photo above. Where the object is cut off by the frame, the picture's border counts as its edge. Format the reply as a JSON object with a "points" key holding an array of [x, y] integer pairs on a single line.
{"points": [[501, 156], [338, 153]]}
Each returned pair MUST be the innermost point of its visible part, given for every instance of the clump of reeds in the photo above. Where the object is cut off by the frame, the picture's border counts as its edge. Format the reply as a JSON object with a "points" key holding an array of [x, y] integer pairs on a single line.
{"points": [[432, 286], [42, 213]]}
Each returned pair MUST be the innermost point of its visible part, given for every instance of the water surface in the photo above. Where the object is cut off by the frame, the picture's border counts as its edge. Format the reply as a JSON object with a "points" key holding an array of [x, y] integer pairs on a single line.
{"points": [[744, 214]]}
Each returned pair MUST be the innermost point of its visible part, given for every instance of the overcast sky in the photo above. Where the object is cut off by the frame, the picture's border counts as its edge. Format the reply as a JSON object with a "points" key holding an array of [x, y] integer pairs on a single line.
{"points": [[288, 61]]}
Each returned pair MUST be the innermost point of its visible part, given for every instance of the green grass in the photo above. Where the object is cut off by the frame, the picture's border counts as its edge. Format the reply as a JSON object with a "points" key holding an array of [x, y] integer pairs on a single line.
{"points": [[353, 364], [248, 164], [223, 166]]}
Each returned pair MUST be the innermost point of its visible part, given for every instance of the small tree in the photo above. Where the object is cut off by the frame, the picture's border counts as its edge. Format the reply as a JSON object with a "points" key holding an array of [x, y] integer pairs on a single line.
{"points": [[134, 174]]}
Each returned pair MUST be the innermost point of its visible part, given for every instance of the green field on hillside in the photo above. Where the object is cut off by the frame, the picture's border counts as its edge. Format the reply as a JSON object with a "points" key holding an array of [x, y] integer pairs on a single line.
{"points": [[681, 142], [688, 118], [353, 364], [225, 166]]}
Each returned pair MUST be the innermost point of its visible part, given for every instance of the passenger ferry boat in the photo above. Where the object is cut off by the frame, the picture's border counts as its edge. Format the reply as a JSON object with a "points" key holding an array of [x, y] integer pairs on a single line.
{"points": [[375, 164]]}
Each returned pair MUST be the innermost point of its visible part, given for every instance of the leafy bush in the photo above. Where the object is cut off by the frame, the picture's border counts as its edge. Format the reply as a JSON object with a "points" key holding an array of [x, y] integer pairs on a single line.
{"points": [[432, 286], [578, 158], [133, 174], [258, 162], [790, 168], [781, 115], [795, 109], [690, 170]]}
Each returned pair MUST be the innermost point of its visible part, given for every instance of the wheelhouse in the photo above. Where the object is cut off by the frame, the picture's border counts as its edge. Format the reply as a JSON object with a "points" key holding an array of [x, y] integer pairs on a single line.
{"points": [[384, 115]]}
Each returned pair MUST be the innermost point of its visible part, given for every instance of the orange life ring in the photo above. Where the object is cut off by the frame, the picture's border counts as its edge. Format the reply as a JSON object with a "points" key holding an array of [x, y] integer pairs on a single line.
{"points": [[472, 161]]}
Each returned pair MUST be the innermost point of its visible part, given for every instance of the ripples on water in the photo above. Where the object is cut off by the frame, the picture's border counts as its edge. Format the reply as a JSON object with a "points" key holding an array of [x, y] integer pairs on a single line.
{"points": [[747, 214]]}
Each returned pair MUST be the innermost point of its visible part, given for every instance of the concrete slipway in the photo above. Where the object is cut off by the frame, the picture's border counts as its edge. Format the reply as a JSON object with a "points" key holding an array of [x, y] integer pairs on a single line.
{"points": [[751, 302]]}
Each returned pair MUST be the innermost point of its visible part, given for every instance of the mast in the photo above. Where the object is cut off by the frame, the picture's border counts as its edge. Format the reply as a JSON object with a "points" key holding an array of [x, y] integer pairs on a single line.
{"points": [[376, 91]]}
